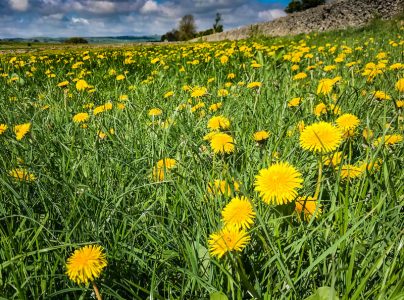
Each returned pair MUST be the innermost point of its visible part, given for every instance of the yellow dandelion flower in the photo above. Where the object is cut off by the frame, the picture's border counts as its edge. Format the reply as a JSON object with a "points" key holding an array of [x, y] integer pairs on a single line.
{"points": [[347, 123], [21, 130], [86, 264], [351, 171], [239, 212], [63, 83], [162, 167], [255, 84], [320, 137], [214, 107], [325, 86], [223, 187], [400, 103], [226, 240], [388, 140], [198, 92], [80, 117], [320, 109], [400, 85], [218, 122], [333, 159], [120, 77], [308, 206], [367, 134], [278, 184], [294, 102], [123, 98], [300, 76], [300, 126], [222, 143], [154, 112], [81, 85], [222, 93], [261, 136], [3, 128], [380, 95], [169, 94], [22, 174]]}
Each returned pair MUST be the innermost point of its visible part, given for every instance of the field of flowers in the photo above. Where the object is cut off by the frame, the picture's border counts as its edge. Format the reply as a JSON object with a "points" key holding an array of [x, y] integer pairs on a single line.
{"points": [[258, 169]]}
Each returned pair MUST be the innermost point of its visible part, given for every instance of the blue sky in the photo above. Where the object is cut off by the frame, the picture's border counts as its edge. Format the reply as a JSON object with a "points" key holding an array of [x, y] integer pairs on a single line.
{"points": [[64, 18]]}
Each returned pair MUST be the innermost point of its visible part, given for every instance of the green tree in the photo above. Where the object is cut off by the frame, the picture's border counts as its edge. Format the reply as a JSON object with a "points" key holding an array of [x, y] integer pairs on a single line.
{"points": [[187, 28], [218, 27]]}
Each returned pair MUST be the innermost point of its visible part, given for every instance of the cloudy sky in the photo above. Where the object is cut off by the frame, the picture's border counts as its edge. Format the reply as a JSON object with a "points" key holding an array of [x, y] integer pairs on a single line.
{"points": [[64, 18]]}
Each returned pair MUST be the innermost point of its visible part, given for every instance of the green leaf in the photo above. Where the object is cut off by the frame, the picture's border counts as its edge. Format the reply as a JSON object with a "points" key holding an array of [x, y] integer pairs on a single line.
{"points": [[218, 296], [324, 293]]}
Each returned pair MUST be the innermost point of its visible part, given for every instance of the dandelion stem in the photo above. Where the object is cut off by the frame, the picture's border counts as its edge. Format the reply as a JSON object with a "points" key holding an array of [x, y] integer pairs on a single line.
{"points": [[96, 291], [244, 279], [320, 174]]}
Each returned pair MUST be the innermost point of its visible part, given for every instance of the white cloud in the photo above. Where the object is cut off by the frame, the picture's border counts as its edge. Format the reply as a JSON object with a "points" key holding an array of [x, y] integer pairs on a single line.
{"points": [[101, 7], [80, 21], [19, 5], [271, 14], [149, 6]]}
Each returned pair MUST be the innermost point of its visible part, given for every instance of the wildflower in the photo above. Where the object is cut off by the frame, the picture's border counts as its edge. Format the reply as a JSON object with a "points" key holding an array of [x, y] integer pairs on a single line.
{"points": [[162, 167], [261, 136], [228, 239], [63, 83], [154, 112], [21, 130], [380, 95], [123, 98], [223, 187], [388, 140], [254, 84], [102, 108], [86, 264], [300, 126], [3, 128], [400, 85], [300, 76], [239, 212], [400, 103], [224, 59], [308, 206], [320, 137], [347, 123], [81, 85], [278, 184], [198, 92], [222, 143], [222, 93], [169, 94], [80, 117], [120, 77], [350, 171], [294, 102], [325, 86], [218, 122], [367, 134], [333, 159], [22, 175], [214, 107], [320, 109]]}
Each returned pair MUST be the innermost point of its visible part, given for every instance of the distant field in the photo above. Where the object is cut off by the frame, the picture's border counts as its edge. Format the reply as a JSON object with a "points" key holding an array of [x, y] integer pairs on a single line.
{"points": [[268, 168]]}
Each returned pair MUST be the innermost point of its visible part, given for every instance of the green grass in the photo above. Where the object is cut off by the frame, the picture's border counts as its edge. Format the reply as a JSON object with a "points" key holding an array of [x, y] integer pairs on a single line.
{"points": [[155, 234]]}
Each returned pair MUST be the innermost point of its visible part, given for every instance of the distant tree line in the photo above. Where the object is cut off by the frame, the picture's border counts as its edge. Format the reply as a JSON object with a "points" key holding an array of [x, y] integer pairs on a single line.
{"points": [[76, 40], [187, 29], [300, 5]]}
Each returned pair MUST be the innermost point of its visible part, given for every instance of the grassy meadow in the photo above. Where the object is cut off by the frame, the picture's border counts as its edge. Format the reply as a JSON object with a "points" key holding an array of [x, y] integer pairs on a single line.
{"points": [[152, 151]]}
